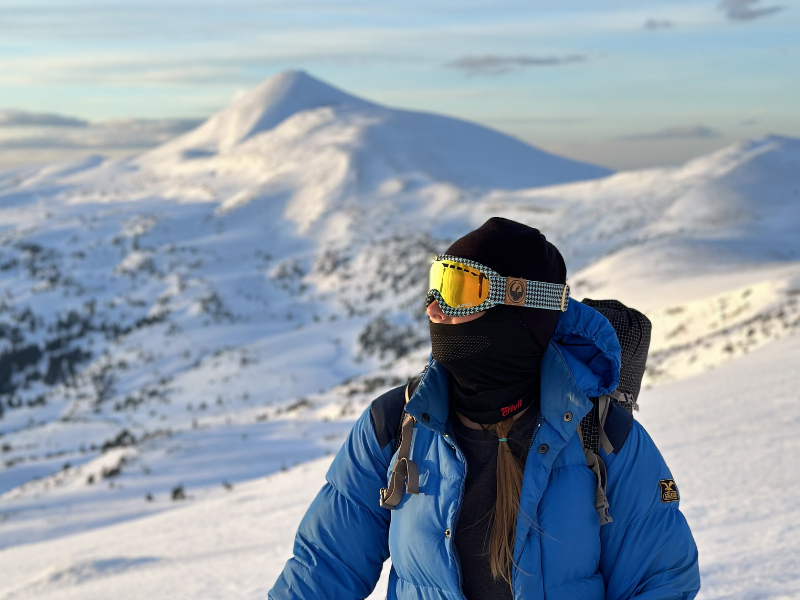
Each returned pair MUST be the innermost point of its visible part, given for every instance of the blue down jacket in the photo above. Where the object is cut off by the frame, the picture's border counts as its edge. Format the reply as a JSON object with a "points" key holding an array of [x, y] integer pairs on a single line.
{"points": [[646, 553]]}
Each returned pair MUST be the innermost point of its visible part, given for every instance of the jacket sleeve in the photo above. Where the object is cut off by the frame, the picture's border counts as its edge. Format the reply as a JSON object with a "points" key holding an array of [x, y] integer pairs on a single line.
{"points": [[648, 552], [342, 541]]}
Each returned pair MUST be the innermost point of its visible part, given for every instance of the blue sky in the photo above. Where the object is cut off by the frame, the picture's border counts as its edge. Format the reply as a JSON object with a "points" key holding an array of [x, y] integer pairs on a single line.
{"points": [[621, 83]]}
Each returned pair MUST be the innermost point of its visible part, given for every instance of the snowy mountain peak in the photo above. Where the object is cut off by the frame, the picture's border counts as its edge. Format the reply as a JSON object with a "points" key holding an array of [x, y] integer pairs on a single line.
{"points": [[263, 108], [750, 181], [309, 150]]}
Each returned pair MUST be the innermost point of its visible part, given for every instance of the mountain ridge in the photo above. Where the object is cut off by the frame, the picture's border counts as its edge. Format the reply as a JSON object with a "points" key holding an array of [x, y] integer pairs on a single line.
{"points": [[292, 119]]}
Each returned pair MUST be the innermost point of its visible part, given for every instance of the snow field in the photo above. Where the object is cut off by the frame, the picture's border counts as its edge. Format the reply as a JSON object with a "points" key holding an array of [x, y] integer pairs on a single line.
{"points": [[729, 437], [232, 546]]}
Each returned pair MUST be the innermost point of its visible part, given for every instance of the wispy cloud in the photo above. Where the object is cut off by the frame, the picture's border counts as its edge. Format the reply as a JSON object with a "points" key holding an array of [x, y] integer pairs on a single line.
{"points": [[536, 120], [747, 10], [22, 118], [681, 132], [121, 133], [654, 24], [213, 65], [498, 65]]}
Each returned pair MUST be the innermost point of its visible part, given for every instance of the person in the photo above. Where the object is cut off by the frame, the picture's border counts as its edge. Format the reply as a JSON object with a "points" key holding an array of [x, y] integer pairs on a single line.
{"points": [[503, 503]]}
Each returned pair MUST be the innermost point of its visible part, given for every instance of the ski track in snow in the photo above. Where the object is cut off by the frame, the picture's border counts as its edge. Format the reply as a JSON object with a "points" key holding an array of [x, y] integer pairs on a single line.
{"points": [[186, 337]]}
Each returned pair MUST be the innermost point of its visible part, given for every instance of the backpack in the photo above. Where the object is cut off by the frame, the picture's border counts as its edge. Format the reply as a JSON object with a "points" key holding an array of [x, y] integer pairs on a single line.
{"points": [[633, 332]]}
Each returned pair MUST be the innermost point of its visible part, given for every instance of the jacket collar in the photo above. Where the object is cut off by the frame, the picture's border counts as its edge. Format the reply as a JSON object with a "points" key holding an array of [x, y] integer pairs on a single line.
{"points": [[582, 361]]}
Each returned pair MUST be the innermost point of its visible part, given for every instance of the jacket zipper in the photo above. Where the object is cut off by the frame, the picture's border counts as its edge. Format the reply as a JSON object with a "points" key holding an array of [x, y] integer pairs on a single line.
{"points": [[539, 421], [456, 515], [538, 425]]}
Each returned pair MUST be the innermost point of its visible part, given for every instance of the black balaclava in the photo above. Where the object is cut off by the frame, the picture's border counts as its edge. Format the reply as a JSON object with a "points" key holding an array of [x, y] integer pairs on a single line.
{"points": [[495, 359]]}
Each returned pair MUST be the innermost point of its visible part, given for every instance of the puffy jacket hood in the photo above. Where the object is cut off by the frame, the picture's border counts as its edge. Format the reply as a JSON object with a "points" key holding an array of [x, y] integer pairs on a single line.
{"points": [[590, 348], [582, 359]]}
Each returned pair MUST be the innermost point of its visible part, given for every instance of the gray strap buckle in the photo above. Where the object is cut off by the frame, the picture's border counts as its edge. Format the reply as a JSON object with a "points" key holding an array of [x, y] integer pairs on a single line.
{"points": [[597, 465], [404, 470]]}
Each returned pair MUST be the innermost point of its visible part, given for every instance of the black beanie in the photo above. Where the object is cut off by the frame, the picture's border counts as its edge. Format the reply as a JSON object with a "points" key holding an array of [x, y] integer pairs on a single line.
{"points": [[516, 250]]}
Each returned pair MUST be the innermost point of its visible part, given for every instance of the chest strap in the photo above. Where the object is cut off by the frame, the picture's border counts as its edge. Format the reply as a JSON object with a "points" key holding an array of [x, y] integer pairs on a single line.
{"points": [[404, 470]]}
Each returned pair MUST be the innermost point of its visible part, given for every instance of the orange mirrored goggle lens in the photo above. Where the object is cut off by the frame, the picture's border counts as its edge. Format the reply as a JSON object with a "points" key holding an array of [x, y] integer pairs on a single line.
{"points": [[460, 286]]}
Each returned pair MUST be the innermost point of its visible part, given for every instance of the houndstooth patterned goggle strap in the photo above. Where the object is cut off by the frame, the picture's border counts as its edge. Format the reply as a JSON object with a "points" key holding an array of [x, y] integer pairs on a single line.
{"points": [[513, 291]]}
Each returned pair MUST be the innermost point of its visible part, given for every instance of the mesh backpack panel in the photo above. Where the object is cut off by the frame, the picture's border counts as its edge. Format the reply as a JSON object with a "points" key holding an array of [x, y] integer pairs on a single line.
{"points": [[590, 427], [633, 331]]}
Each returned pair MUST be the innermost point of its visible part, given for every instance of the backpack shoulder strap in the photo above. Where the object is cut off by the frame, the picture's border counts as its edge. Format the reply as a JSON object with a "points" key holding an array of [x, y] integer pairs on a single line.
{"points": [[603, 404], [625, 400], [605, 426], [387, 412], [591, 432], [411, 387], [616, 425], [404, 469], [597, 465]]}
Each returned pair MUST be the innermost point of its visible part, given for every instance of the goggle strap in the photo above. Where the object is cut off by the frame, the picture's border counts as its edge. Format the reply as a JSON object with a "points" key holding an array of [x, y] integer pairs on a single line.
{"points": [[538, 294]]}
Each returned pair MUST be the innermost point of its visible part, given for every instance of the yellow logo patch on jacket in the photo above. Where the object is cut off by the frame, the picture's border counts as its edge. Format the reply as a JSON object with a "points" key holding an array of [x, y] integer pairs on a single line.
{"points": [[669, 491]]}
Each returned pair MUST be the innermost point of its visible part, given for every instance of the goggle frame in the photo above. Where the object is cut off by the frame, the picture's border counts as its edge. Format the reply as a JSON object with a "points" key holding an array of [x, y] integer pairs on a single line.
{"points": [[538, 294]]}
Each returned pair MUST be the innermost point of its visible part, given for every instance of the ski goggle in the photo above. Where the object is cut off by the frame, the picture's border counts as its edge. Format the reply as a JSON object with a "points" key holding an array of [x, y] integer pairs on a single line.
{"points": [[463, 287]]}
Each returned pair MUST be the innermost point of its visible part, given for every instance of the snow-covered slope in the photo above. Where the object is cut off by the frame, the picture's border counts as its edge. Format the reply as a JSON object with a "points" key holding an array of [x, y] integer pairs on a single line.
{"points": [[737, 207], [730, 455], [171, 325]]}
